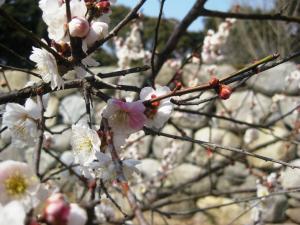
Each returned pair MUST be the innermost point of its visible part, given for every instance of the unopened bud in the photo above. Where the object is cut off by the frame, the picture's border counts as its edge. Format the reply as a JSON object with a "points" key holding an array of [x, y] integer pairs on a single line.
{"points": [[79, 27]]}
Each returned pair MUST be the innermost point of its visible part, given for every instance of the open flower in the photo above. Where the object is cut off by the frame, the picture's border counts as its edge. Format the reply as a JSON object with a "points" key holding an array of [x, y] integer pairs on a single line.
{"points": [[85, 143], [18, 182], [22, 121], [159, 112], [46, 63], [8, 214], [108, 169], [124, 117]]}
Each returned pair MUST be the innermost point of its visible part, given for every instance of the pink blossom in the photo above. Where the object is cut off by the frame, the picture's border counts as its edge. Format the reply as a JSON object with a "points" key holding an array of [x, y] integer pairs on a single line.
{"points": [[125, 117]]}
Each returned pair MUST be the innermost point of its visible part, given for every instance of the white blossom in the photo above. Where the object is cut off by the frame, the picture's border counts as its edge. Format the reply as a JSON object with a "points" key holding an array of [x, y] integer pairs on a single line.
{"points": [[85, 143], [18, 182], [54, 15], [47, 65], [12, 213], [108, 168], [159, 112], [22, 121]]}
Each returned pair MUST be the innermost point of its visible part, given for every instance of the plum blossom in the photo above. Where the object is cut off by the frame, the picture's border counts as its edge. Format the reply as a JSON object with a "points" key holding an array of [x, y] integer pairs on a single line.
{"points": [[22, 121], [159, 112], [124, 117], [54, 15], [85, 144], [213, 41], [47, 65], [107, 167], [132, 48], [18, 182], [9, 211]]}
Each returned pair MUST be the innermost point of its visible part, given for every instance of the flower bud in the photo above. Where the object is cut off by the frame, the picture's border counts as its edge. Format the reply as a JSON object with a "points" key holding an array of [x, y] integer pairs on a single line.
{"points": [[97, 31], [57, 210], [103, 5], [224, 91], [214, 82], [79, 27]]}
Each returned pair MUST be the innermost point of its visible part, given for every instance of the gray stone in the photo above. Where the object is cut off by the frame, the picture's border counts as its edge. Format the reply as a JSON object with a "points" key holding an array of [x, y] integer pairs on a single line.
{"points": [[182, 174], [222, 215], [190, 120], [294, 214], [294, 203], [222, 137], [244, 106], [162, 144], [149, 167], [203, 186], [165, 75], [45, 160], [275, 209], [290, 178], [284, 106], [236, 174], [138, 145], [191, 72], [16, 80], [273, 80], [72, 108], [52, 111], [61, 142], [279, 150]]}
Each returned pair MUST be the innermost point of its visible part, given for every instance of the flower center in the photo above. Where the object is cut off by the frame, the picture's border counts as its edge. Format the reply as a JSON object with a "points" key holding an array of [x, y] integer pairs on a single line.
{"points": [[20, 130], [86, 144], [120, 116], [16, 185]]}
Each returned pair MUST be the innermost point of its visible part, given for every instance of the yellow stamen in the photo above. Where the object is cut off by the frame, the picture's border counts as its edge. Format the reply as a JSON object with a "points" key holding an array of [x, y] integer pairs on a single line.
{"points": [[16, 185]]}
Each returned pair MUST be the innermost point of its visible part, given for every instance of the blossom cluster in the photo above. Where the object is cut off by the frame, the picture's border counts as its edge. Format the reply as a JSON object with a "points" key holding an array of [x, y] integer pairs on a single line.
{"points": [[93, 151], [131, 49], [87, 28], [214, 40]]}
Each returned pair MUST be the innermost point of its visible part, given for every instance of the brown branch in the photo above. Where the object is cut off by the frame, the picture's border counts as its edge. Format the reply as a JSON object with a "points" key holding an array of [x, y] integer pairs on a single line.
{"points": [[124, 72], [41, 125], [20, 69], [171, 44], [250, 16], [215, 146], [155, 41], [45, 88], [121, 177], [221, 117]]}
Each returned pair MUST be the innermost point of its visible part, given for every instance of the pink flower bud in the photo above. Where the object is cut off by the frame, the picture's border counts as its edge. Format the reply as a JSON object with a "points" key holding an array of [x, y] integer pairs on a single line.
{"points": [[57, 210], [79, 27]]}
